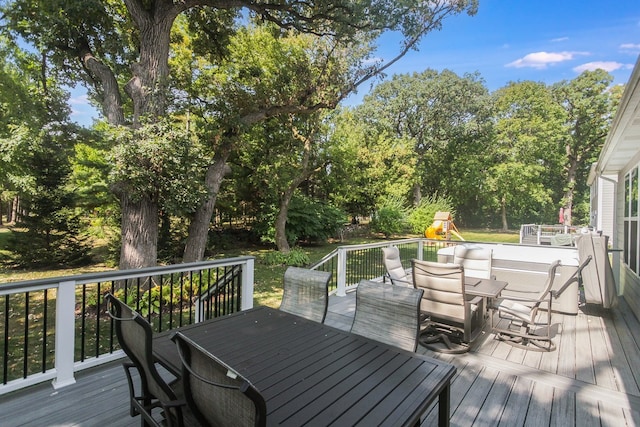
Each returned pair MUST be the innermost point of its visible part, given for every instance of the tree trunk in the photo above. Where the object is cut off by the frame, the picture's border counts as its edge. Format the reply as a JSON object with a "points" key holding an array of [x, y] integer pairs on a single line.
{"points": [[417, 194], [503, 209], [199, 228], [139, 233], [281, 221], [147, 89], [568, 195], [305, 172]]}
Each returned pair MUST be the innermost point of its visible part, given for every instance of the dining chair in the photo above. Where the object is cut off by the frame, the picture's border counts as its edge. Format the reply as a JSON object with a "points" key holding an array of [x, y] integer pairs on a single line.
{"points": [[393, 265], [476, 260], [306, 293], [529, 318], [135, 337], [389, 314], [453, 319], [216, 393]]}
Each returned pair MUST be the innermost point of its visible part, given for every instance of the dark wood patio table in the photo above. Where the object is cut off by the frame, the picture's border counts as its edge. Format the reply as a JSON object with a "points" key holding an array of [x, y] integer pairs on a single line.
{"points": [[313, 374]]}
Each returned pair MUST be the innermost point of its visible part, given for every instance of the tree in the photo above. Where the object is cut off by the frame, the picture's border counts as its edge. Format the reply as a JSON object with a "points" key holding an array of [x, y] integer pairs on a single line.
{"points": [[107, 43], [446, 118], [525, 154], [367, 166], [589, 108], [36, 144], [50, 231]]}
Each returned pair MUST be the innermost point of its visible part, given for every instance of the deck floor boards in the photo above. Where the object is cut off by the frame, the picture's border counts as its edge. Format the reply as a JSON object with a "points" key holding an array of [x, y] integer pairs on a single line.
{"points": [[591, 379]]}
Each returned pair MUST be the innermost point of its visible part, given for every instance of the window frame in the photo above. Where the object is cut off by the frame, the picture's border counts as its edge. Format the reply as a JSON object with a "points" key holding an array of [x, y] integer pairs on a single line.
{"points": [[632, 219]]}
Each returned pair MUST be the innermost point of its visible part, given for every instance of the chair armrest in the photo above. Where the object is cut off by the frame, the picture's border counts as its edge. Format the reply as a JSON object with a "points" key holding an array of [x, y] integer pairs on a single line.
{"points": [[393, 281], [475, 300], [575, 277], [529, 302], [474, 303]]}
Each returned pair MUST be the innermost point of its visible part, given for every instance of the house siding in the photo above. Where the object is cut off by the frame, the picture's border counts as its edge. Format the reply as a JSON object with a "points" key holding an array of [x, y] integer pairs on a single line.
{"points": [[629, 282], [606, 197]]}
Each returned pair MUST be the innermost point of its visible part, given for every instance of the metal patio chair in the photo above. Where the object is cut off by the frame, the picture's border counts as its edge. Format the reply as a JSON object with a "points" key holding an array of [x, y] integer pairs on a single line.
{"points": [[135, 337], [453, 320], [306, 293], [215, 392], [389, 314], [529, 319]]}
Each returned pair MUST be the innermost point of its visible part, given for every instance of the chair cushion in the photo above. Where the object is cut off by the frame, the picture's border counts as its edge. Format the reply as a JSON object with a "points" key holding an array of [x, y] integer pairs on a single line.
{"points": [[516, 309]]}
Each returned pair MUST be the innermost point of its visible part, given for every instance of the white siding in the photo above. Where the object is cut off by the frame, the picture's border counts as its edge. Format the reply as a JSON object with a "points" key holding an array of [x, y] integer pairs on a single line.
{"points": [[606, 206]]}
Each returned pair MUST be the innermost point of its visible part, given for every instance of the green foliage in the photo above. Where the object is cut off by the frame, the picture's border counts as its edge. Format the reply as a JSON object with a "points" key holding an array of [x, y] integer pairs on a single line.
{"points": [[308, 219], [295, 257], [313, 220], [422, 215], [526, 156], [390, 218], [50, 230], [158, 161]]}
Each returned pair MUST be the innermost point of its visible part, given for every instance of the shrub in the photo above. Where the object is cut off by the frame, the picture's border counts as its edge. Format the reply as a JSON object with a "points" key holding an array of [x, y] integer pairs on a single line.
{"points": [[295, 257], [308, 219], [390, 218]]}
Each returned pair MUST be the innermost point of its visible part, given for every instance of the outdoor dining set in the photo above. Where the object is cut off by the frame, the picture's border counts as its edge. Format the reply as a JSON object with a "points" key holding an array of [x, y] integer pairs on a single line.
{"points": [[285, 366]]}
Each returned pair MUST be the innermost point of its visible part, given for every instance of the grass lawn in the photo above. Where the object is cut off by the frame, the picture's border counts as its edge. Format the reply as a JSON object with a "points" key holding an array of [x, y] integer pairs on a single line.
{"points": [[268, 278]]}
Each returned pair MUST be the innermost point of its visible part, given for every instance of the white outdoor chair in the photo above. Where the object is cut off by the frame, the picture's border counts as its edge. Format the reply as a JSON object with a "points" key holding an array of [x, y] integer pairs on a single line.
{"points": [[396, 273], [475, 260]]}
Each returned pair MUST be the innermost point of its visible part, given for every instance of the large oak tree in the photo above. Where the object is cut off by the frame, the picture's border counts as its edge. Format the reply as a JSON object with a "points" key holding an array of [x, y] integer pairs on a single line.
{"points": [[121, 51]]}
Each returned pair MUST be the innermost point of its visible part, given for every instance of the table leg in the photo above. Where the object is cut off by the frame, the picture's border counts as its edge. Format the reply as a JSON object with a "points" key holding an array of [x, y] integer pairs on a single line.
{"points": [[444, 401]]}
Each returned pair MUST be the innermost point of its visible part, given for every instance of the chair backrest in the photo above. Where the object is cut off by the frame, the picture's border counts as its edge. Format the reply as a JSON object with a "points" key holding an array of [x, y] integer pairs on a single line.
{"points": [[443, 285], [389, 314], [548, 284], [476, 260], [135, 337], [393, 265], [306, 293], [217, 394]]}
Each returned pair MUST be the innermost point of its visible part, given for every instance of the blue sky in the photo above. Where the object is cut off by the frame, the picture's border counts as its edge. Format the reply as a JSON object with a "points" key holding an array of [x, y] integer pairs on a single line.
{"points": [[513, 40], [540, 40]]}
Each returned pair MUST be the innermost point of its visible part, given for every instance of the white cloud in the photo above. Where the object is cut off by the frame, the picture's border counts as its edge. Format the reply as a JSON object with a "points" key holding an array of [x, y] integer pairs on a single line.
{"points": [[608, 66], [79, 100], [541, 60], [560, 39], [82, 112], [630, 47]]}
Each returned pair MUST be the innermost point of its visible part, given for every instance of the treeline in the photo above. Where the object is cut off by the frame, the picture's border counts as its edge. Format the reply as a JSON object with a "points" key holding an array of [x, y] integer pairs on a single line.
{"points": [[230, 115]]}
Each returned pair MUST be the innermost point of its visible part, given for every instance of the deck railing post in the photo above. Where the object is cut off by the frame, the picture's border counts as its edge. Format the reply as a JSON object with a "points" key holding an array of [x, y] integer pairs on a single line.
{"points": [[247, 285], [342, 273], [420, 249], [65, 334]]}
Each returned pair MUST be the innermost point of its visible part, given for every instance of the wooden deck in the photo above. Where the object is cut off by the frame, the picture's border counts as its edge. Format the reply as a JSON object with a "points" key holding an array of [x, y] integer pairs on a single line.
{"points": [[591, 379]]}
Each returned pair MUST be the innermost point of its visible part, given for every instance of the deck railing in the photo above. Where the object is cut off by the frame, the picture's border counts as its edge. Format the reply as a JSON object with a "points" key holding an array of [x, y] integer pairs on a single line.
{"points": [[51, 328], [352, 263], [540, 234]]}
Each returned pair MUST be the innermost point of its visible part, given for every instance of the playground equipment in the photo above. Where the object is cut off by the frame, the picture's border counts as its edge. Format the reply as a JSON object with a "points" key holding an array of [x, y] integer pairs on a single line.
{"points": [[442, 227]]}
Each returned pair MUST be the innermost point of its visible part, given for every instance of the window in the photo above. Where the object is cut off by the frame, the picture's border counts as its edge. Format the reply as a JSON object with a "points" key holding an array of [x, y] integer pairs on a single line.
{"points": [[631, 220]]}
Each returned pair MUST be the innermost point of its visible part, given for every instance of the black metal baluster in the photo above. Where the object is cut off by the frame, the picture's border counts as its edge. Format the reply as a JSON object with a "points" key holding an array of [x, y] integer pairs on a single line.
{"points": [[25, 350], [44, 331]]}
